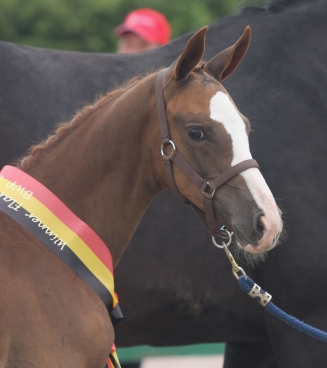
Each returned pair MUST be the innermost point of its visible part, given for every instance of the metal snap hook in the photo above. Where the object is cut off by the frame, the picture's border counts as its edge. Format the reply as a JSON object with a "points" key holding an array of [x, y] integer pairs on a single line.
{"points": [[235, 267]]}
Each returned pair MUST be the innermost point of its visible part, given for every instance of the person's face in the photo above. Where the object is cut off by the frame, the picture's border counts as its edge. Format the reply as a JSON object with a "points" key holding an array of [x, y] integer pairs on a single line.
{"points": [[129, 43]]}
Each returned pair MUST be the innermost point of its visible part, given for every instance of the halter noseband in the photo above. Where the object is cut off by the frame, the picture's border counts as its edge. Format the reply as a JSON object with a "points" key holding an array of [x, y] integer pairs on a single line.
{"points": [[208, 188]]}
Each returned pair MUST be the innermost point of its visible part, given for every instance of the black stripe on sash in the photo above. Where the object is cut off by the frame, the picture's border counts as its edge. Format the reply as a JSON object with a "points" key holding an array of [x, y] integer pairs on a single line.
{"points": [[113, 361]]}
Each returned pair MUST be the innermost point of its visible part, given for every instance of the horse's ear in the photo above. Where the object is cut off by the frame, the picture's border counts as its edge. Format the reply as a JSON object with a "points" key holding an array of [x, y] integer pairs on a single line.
{"points": [[223, 65], [191, 55]]}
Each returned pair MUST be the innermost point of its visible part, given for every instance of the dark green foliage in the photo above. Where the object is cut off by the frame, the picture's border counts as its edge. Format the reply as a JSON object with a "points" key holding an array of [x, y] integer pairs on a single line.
{"points": [[87, 25]]}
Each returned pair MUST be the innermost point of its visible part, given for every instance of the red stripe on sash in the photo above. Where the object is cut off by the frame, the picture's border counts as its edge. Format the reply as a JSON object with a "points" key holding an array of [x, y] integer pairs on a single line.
{"points": [[44, 195]]}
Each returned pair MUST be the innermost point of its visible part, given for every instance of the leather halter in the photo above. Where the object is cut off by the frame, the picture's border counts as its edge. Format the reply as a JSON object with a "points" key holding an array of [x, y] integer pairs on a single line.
{"points": [[209, 187]]}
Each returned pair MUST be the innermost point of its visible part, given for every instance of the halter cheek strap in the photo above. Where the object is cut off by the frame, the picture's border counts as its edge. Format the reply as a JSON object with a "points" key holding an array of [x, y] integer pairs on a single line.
{"points": [[209, 187]]}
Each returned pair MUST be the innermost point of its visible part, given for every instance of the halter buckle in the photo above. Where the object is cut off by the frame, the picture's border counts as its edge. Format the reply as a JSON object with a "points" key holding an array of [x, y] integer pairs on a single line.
{"points": [[206, 186]]}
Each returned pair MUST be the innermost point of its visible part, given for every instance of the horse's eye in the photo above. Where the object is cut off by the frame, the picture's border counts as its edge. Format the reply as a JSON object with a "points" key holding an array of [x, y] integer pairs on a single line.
{"points": [[196, 134]]}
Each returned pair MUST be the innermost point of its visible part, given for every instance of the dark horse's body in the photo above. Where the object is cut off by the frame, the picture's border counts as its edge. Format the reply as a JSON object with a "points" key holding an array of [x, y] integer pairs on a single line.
{"points": [[174, 286]]}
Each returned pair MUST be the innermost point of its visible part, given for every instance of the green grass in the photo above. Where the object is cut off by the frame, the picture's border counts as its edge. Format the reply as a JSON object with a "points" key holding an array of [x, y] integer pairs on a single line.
{"points": [[136, 353]]}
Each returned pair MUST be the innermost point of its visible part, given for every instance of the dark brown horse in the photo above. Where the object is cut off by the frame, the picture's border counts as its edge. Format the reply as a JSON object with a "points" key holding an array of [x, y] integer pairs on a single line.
{"points": [[106, 166]]}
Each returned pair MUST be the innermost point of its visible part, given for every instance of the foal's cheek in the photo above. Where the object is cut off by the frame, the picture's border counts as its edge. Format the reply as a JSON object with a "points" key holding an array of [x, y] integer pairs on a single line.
{"points": [[187, 188]]}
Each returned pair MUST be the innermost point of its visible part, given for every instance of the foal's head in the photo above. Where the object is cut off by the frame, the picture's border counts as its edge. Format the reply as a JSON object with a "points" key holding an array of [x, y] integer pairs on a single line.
{"points": [[212, 135]]}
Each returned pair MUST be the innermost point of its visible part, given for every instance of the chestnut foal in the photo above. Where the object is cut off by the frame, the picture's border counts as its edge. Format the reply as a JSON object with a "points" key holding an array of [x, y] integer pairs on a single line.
{"points": [[103, 169]]}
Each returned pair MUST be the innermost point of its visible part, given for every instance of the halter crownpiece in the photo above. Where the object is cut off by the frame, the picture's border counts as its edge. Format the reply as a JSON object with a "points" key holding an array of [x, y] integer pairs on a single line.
{"points": [[208, 188]]}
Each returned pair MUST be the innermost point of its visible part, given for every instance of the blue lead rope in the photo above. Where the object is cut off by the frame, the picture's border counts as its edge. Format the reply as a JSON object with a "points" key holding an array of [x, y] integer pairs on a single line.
{"points": [[247, 285]]}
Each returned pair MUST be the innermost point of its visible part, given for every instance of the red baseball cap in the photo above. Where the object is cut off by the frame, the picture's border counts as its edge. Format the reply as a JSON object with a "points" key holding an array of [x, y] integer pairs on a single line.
{"points": [[149, 24]]}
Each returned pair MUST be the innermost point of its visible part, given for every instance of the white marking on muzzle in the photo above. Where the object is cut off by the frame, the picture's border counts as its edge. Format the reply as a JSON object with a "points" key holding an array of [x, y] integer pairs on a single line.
{"points": [[223, 111]]}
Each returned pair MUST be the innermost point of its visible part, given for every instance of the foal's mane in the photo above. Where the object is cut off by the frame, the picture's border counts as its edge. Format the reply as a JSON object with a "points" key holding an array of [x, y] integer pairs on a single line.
{"points": [[36, 152]]}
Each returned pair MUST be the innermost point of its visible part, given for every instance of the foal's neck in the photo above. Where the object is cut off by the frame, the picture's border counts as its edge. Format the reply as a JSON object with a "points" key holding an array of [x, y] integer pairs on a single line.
{"points": [[108, 169]]}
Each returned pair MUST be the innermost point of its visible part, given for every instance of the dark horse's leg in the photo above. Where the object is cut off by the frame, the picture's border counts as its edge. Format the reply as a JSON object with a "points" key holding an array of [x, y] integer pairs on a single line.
{"points": [[249, 355]]}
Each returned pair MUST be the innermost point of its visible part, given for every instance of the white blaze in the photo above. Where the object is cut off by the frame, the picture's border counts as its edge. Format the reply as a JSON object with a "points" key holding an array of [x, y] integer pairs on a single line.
{"points": [[223, 111]]}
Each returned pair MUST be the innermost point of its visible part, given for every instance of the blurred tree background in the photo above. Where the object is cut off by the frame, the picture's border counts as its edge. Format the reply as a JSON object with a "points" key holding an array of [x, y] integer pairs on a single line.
{"points": [[87, 25]]}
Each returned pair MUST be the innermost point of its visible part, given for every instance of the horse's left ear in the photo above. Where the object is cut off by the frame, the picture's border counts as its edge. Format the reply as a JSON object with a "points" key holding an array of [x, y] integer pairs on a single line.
{"points": [[224, 64], [191, 55]]}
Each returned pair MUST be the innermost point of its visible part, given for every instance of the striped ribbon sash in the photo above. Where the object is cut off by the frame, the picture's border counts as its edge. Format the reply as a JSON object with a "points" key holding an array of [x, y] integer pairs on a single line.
{"points": [[37, 209]]}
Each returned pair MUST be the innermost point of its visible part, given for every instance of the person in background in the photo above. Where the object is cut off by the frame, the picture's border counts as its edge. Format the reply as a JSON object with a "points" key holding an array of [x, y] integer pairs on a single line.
{"points": [[143, 29]]}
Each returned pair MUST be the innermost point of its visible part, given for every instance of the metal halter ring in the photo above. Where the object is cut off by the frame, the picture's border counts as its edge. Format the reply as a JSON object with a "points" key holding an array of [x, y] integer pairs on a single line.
{"points": [[225, 230], [173, 145], [229, 235]]}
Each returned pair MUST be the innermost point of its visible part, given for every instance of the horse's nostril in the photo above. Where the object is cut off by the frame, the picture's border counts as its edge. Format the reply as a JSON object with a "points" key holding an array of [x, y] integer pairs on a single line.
{"points": [[260, 229]]}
